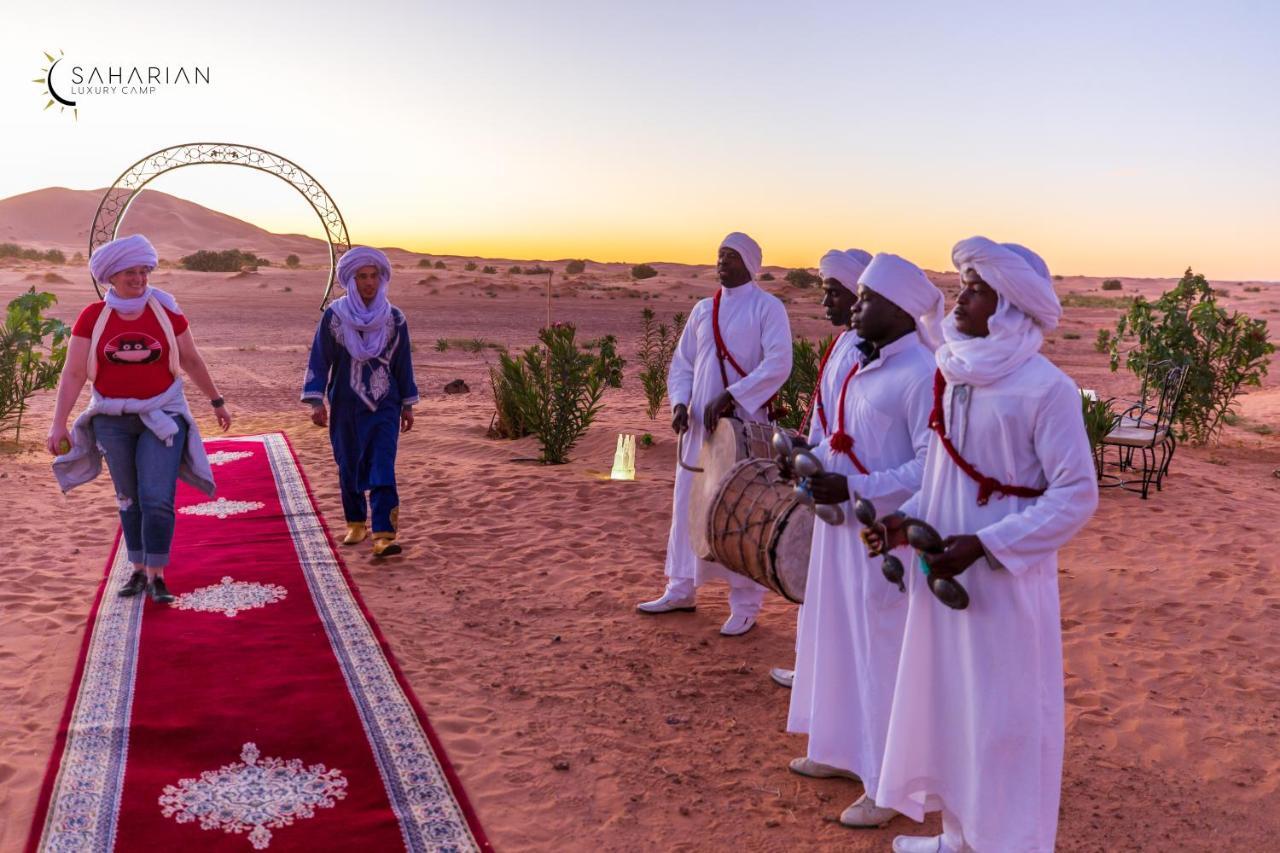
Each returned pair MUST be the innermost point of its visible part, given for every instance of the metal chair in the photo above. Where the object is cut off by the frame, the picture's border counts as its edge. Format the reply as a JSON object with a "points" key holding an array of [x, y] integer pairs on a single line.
{"points": [[1149, 430]]}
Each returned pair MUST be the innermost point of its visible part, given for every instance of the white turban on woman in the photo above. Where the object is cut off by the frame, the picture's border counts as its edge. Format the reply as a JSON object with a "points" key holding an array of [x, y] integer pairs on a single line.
{"points": [[845, 267], [747, 249], [1027, 308], [364, 326], [905, 285], [125, 253]]}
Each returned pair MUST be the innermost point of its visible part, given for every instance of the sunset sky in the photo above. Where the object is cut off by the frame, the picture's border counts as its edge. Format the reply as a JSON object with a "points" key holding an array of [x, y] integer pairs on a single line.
{"points": [[1116, 138]]}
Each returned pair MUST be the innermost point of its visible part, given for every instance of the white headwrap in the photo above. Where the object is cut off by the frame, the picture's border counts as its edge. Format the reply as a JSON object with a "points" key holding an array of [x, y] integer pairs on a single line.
{"points": [[845, 267], [748, 249], [905, 285], [1027, 308], [364, 327], [122, 254]]}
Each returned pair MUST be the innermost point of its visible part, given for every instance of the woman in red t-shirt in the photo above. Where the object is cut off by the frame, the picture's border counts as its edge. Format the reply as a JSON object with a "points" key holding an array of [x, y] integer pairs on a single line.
{"points": [[131, 345]]}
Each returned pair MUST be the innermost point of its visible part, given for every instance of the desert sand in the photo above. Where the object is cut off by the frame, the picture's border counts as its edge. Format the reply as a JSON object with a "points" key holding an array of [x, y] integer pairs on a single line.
{"points": [[577, 724]]}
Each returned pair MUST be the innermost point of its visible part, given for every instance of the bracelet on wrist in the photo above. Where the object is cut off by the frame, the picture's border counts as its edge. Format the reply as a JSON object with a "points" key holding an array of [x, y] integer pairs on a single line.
{"points": [[217, 402]]}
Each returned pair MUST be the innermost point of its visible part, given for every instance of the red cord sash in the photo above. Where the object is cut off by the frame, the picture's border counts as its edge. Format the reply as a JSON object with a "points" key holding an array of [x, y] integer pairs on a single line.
{"points": [[723, 355], [816, 396], [841, 441], [987, 486]]}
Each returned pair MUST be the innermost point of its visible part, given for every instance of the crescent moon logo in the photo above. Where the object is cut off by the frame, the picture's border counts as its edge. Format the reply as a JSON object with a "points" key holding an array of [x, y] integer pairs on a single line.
{"points": [[52, 94]]}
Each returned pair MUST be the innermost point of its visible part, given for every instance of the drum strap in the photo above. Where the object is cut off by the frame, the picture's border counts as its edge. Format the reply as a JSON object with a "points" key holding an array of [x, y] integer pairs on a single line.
{"points": [[987, 486], [723, 355], [815, 399], [841, 441]]}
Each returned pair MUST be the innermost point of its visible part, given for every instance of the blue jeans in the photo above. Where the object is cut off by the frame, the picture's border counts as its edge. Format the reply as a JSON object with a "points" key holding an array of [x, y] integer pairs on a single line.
{"points": [[145, 472]]}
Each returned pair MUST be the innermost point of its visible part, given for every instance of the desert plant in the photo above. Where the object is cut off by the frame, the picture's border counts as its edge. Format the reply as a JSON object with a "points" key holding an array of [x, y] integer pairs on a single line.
{"points": [[1099, 419], [803, 278], [515, 270], [228, 260], [424, 262], [33, 349], [646, 440], [793, 397], [575, 267], [608, 364], [537, 270], [470, 266], [643, 271], [489, 270], [657, 345], [440, 265], [292, 262], [766, 276], [1222, 352], [513, 397], [1112, 284], [442, 344]]}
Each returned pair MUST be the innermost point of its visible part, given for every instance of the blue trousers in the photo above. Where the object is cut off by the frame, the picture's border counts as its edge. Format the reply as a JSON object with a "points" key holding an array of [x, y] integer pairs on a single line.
{"points": [[364, 446], [145, 473]]}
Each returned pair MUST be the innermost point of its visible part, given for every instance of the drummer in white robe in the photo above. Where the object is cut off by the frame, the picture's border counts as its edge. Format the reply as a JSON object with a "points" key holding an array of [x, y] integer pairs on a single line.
{"points": [[851, 633], [839, 271], [755, 361], [976, 728]]}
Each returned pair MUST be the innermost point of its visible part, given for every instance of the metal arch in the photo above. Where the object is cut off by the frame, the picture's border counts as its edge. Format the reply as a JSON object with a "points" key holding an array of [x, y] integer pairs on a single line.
{"points": [[112, 208]]}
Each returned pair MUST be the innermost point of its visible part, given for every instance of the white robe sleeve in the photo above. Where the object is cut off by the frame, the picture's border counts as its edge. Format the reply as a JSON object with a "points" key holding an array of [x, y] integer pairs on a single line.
{"points": [[1023, 539], [680, 376], [754, 390], [892, 486]]}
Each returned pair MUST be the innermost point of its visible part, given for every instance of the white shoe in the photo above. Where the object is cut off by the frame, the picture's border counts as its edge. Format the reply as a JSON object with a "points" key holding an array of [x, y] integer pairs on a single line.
{"points": [[783, 677], [919, 844], [806, 766], [668, 603], [865, 814], [737, 625]]}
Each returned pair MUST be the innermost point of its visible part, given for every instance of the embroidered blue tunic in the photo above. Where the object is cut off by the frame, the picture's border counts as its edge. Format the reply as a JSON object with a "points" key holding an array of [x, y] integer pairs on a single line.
{"points": [[365, 399]]}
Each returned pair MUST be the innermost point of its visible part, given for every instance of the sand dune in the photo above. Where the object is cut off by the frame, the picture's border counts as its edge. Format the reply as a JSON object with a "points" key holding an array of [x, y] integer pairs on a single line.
{"points": [[511, 610]]}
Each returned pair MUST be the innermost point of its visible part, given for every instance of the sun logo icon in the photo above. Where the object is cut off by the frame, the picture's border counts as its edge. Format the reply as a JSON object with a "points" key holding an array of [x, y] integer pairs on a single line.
{"points": [[52, 94]]}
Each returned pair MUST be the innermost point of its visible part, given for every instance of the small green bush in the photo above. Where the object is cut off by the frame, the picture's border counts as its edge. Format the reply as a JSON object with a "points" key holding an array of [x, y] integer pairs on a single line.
{"points": [[1071, 336], [440, 265], [33, 349], [803, 278], [575, 267], [608, 364], [470, 266], [793, 398], [489, 270], [643, 271], [1112, 284], [292, 262], [515, 270], [442, 344], [657, 345], [424, 262], [766, 276], [537, 270], [228, 260]]}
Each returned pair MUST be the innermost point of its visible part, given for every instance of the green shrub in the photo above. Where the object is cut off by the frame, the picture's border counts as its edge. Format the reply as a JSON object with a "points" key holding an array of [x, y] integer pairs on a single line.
{"points": [[608, 364], [440, 265], [424, 262], [1071, 336], [515, 270], [1099, 420], [537, 270], [657, 345], [793, 398], [22, 253], [442, 344], [292, 262], [803, 278], [1222, 352], [489, 270], [766, 276], [470, 266], [1092, 300], [645, 440], [575, 267], [643, 271], [1112, 284], [228, 260], [28, 362]]}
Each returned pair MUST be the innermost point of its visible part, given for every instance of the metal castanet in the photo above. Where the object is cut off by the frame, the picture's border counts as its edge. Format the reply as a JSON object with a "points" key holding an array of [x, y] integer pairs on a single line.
{"points": [[806, 465], [925, 540]]}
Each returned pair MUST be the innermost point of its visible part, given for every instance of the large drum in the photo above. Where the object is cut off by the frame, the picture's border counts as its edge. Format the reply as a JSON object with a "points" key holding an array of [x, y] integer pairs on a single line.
{"points": [[758, 528], [732, 442]]}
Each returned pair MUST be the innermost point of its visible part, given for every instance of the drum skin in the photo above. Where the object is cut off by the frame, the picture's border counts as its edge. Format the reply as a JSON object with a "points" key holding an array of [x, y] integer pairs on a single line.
{"points": [[732, 442], [758, 528]]}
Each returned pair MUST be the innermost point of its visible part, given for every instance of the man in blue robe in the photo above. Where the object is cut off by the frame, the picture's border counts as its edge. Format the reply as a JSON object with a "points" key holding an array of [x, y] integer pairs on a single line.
{"points": [[362, 365]]}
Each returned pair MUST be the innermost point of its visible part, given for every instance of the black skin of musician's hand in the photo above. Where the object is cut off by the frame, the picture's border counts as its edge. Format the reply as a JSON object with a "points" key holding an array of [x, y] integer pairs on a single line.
{"points": [[719, 407], [958, 553], [680, 419], [829, 488], [890, 532]]}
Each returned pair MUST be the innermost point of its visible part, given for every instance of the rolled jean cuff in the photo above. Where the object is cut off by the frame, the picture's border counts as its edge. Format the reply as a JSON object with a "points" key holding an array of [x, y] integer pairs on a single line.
{"points": [[136, 557], [157, 561]]}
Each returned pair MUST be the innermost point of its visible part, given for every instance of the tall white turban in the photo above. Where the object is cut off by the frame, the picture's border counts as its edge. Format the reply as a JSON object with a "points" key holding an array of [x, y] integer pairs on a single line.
{"points": [[845, 267], [122, 254], [364, 326], [1016, 273], [748, 249], [1027, 308], [905, 285]]}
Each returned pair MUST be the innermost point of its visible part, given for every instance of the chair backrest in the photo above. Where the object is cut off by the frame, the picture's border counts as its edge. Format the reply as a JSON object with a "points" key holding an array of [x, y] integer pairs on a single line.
{"points": [[1170, 394]]}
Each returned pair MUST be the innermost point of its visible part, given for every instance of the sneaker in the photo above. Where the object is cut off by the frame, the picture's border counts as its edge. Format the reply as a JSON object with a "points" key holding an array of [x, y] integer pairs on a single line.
{"points": [[667, 603], [806, 766], [865, 814], [783, 677], [159, 592], [137, 583], [737, 624]]}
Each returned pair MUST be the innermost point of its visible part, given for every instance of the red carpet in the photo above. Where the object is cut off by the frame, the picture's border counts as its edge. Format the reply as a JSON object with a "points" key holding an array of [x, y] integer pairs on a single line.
{"points": [[262, 710]]}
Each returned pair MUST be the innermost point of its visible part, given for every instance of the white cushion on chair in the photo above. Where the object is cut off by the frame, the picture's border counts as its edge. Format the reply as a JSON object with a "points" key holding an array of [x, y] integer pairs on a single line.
{"points": [[1135, 436]]}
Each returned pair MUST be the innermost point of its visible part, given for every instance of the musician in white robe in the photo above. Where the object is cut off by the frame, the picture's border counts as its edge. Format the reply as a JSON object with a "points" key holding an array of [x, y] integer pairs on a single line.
{"points": [[706, 382], [976, 729], [851, 633], [839, 271]]}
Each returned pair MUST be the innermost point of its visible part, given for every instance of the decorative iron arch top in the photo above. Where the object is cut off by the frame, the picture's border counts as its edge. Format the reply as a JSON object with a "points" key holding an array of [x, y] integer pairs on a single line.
{"points": [[112, 208]]}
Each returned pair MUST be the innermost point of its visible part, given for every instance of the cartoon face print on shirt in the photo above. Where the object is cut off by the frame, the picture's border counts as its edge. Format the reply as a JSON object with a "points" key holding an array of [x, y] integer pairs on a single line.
{"points": [[132, 348]]}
